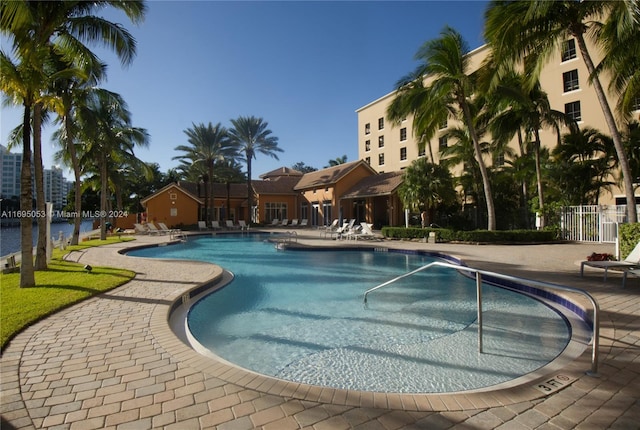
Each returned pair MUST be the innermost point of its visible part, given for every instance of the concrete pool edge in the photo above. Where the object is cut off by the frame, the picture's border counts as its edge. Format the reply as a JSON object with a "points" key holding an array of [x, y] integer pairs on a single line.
{"points": [[570, 367]]}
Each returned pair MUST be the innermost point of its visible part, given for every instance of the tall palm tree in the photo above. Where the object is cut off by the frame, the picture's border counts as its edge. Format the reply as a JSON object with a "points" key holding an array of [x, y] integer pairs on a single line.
{"points": [[110, 140], [446, 63], [525, 109], [208, 145], [530, 32], [252, 136], [36, 30]]}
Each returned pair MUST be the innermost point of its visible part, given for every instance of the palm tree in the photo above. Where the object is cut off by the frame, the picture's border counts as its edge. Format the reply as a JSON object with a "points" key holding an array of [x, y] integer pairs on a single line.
{"points": [[525, 109], [426, 185], [530, 32], [446, 64], [110, 140], [252, 136], [36, 30], [337, 161], [620, 37], [208, 145]]}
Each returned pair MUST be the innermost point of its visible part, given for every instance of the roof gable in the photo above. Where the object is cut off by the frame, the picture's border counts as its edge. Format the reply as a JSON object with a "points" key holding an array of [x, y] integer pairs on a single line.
{"points": [[330, 175], [377, 185], [175, 186]]}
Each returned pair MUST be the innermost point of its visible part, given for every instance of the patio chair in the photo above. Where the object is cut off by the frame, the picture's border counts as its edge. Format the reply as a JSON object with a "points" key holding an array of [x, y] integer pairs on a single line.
{"points": [[294, 223], [632, 261], [634, 272], [243, 225], [366, 232], [230, 225], [284, 223], [202, 225], [304, 223], [140, 229], [275, 222], [215, 225]]}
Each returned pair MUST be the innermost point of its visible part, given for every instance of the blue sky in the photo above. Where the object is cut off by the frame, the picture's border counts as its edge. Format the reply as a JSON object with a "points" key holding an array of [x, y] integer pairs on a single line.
{"points": [[303, 66]]}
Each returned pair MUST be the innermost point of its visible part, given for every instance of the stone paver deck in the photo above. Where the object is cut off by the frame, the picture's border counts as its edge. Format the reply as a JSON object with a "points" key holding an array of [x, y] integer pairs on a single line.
{"points": [[113, 362]]}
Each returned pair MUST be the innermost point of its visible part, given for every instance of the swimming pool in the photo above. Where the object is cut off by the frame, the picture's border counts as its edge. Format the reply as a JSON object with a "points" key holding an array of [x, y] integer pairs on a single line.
{"points": [[299, 316]]}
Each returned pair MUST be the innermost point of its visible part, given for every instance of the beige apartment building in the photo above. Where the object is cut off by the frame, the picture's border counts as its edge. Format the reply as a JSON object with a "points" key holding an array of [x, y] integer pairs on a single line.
{"points": [[389, 147]]}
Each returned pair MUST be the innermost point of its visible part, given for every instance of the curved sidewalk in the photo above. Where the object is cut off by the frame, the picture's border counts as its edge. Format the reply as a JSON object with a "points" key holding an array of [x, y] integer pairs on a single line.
{"points": [[113, 362]]}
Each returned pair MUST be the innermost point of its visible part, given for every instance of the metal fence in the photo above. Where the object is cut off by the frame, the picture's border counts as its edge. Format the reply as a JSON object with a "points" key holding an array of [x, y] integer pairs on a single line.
{"points": [[592, 223]]}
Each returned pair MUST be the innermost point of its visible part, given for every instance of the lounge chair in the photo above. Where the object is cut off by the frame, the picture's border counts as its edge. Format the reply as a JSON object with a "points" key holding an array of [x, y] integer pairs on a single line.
{"points": [[329, 229], [294, 223], [632, 261], [140, 228], [347, 229], [215, 225], [275, 222], [366, 232], [202, 225], [304, 223], [243, 225], [285, 222], [635, 272], [231, 226], [163, 229], [153, 229]]}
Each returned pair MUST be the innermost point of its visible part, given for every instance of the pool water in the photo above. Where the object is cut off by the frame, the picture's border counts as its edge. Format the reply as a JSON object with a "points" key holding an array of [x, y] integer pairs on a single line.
{"points": [[300, 316]]}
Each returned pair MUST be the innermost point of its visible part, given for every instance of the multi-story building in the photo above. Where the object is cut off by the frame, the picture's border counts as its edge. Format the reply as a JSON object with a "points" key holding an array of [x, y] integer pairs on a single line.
{"points": [[388, 146], [56, 188], [10, 166]]}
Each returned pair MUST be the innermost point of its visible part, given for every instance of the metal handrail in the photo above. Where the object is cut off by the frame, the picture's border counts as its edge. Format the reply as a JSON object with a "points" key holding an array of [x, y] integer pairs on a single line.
{"points": [[478, 276]]}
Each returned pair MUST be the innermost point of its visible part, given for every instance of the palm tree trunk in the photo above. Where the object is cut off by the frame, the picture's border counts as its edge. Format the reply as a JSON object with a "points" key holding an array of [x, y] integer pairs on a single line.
{"points": [[71, 148], [486, 184], [27, 276], [632, 213], [41, 245], [249, 191], [104, 185], [536, 149]]}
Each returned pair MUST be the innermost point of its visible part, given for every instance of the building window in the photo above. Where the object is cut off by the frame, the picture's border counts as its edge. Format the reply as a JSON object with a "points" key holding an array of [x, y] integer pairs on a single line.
{"points": [[368, 160], [380, 159], [500, 160], [421, 152], [442, 142], [403, 154], [367, 145], [572, 110], [569, 50], [443, 124], [380, 141], [570, 80], [173, 212], [403, 134], [367, 128], [636, 104], [275, 210], [380, 123]]}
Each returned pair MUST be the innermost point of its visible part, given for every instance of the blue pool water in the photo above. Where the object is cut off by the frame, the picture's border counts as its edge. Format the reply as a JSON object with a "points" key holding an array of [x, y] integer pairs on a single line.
{"points": [[299, 316]]}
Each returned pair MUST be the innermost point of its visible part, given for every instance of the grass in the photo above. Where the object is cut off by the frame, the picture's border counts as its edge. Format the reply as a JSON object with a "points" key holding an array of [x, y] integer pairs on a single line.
{"points": [[61, 285]]}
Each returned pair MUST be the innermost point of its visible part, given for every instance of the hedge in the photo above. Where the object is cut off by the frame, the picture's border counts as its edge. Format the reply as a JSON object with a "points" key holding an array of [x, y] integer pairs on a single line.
{"points": [[475, 236], [628, 236]]}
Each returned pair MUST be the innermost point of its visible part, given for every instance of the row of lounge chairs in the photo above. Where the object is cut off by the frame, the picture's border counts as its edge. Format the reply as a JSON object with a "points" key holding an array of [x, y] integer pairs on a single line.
{"points": [[151, 228], [228, 225], [350, 231], [295, 223]]}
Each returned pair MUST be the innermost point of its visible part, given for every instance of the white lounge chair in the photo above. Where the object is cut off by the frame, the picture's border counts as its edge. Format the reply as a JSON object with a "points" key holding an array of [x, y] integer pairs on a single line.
{"points": [[275, 222], [329, 229], [243, 225], [284, 223], [140, 228], [366, 232], [347, 229], [231, 226], [632, 261], [153, 229], [294, 223], [304, 223], [215, 225], [202, 225]]}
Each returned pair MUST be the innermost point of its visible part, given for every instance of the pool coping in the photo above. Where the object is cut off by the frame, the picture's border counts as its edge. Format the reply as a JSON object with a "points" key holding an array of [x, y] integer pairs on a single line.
{"points": [[568, 367]]}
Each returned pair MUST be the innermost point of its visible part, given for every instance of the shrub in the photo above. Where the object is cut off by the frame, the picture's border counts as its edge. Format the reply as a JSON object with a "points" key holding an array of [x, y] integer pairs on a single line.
{"points": [[475, 236], [628, 236]]}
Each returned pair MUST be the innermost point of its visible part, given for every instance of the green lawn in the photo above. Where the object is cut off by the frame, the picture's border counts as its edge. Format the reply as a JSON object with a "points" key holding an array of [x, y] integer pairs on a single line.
{"points": [[61, 285]]}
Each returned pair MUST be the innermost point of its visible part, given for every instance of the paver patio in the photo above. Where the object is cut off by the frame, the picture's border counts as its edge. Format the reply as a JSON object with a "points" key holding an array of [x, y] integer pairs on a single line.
{"points": [[113, 362]]}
